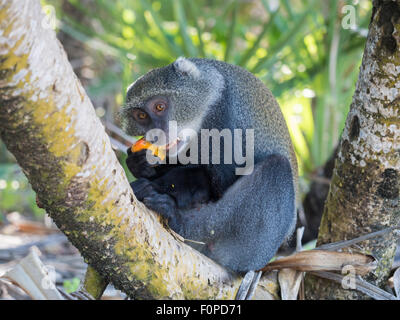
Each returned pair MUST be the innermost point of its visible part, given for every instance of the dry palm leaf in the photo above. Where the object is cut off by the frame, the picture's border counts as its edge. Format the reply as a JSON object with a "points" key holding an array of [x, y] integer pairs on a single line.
{"points": [[289, 282], [33, 277], [322, 260], [360, 285]]}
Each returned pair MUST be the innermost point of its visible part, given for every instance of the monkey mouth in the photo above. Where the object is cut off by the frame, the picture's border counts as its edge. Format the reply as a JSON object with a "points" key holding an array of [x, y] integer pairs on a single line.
{"points": [[175, 147], [172, 144], [171, 149]]}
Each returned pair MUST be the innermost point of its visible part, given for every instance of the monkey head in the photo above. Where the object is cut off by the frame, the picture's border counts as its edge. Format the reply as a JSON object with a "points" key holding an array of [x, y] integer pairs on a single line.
{"points": [[179, 94]]}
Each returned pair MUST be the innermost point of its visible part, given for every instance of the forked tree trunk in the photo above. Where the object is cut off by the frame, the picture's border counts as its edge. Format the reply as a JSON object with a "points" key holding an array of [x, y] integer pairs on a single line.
{"points": [[364, 192], [50, 126]]}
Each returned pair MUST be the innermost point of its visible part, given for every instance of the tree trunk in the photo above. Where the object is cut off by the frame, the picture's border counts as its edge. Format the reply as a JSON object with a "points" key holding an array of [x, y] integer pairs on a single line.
{"points": [[50, 126], [364, 192]]}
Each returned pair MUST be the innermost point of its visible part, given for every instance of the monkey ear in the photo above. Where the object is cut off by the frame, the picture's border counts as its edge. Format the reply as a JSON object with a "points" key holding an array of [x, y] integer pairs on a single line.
{"points": [[186, 67]]}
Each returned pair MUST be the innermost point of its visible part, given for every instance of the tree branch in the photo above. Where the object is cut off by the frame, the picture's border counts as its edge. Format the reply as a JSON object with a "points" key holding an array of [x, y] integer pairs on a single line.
{"points": [[364, 192], [50, 126]]}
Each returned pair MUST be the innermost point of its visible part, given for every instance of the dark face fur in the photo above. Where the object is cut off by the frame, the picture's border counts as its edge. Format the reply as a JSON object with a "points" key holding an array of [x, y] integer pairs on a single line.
{"points": [[181, 92]]}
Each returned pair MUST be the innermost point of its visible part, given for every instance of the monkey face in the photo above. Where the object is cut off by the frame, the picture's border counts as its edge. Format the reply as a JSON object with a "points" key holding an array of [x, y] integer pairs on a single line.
{"points": [[173, 99]]}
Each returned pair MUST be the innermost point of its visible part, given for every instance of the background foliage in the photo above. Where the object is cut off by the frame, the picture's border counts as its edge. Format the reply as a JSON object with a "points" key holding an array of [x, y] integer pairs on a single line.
{"points": [[299, 48]]}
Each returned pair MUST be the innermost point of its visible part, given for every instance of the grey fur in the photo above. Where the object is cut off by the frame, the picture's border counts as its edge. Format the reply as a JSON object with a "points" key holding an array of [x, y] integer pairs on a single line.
{"points": [[255, 213], [191, 94]]}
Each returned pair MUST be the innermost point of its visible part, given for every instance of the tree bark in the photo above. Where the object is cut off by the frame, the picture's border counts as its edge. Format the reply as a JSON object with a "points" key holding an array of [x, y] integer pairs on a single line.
{"points": [[364, 192], [50, 126]]}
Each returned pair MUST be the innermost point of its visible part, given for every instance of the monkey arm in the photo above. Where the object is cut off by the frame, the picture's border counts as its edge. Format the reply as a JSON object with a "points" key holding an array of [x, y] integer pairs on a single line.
{"points": [[138, 165], [246, 226], [181, 187]]}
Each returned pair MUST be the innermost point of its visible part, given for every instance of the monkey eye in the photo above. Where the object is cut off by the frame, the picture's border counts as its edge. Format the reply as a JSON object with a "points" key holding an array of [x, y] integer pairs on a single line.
{"points": [[160, 106], [140, 115]]}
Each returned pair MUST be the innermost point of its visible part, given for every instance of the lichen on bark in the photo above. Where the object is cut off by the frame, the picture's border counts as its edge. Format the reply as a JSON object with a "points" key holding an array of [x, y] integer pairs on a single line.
{"points": [[364, 191], [50, 126]]}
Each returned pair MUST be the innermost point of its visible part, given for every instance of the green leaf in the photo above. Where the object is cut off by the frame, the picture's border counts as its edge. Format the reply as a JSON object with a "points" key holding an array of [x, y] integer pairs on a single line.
{"points": [[231, 32], [272, 56], [194, 10], [162, 34], [251, 51], [71, 285], [189, 48]]}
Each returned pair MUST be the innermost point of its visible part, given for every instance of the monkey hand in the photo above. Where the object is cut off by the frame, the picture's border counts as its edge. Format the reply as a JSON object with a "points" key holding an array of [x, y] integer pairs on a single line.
{"points": [[145, 191], [137, 164]]}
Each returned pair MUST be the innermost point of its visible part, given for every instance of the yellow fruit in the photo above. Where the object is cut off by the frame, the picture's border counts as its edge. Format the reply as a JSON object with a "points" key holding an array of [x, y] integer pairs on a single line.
{"points": [[142, 144]]}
